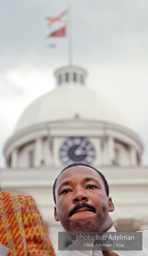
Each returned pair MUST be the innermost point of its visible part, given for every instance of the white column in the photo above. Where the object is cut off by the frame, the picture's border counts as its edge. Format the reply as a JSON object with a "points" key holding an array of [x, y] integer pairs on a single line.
{"points": [[47, 152], [98, 151], [108, 151], [14, 157], [133, 156], [38, 152], [56, 146], [111, 150]]}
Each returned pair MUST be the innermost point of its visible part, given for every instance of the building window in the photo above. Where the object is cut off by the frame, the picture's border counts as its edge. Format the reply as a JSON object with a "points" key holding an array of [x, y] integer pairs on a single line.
{"points": [[60, 79], [42, 162], [31, 158], [138, 159], [117, 157], [67, 77], [9, 161], [74, 77]]}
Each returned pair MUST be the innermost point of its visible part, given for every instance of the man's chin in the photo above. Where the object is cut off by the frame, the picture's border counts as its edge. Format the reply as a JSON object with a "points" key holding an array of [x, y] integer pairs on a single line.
{"points": [[82, 225]]}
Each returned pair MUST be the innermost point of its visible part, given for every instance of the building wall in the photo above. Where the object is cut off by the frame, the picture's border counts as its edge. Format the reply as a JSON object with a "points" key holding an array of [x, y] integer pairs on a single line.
{"points": [[40, 145]]}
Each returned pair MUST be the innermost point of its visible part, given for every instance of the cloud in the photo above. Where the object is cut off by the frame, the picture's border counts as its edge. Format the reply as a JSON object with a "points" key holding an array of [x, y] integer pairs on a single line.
{"points": [[109, 39], [19, 87]]}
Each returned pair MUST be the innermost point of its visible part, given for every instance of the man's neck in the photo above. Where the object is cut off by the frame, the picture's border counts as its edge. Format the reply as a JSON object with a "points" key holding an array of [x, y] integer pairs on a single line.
{"points": [[111, 226]]}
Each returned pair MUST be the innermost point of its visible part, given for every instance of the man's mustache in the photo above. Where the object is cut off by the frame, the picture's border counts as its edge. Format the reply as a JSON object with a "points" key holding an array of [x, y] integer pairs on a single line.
{"points": [[82, 205]]}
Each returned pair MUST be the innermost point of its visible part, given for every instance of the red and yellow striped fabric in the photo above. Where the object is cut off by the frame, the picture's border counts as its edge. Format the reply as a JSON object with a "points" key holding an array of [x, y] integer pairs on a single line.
{"points": [[21, 227]]}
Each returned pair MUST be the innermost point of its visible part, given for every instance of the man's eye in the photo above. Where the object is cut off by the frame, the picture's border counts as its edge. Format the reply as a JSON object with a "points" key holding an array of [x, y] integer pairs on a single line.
{"points": [[65, 191], [91, 186]]}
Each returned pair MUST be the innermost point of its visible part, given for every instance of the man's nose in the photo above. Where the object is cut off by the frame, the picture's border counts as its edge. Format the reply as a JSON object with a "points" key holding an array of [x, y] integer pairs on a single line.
{"points": [[80, 196]]}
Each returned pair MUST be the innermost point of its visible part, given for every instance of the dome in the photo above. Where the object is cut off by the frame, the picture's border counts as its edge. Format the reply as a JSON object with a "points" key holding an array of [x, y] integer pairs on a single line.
{"points": [[69, 100]]}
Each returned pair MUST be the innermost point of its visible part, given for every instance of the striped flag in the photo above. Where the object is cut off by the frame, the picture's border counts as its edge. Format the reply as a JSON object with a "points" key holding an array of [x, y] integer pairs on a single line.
{"points": [[59, 18], [58, 33]]}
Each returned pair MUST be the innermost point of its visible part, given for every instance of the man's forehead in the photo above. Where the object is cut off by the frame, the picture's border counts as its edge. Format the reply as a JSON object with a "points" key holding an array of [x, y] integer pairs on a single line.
{"points": [[79, 172]]}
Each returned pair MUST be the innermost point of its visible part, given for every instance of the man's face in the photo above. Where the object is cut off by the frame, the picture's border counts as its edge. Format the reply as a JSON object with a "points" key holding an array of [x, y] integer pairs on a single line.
{"points": [[81, 201]]}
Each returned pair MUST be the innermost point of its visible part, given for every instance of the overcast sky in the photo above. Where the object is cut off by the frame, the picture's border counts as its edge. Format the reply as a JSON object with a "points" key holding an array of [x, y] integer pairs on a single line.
{"points": [[109, 39]]}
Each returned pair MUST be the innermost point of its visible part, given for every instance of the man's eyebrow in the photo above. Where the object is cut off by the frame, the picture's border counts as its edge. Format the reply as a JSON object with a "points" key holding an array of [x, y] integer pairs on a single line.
{"points": [[64, 183], [91, 179]]}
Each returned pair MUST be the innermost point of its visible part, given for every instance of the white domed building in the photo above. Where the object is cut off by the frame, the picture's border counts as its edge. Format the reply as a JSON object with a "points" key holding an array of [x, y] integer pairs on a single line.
{"points": [[71, 124]]}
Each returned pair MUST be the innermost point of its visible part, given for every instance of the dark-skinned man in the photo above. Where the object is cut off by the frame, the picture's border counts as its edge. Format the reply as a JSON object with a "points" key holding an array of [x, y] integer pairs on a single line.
{"points": [[82, 204]]}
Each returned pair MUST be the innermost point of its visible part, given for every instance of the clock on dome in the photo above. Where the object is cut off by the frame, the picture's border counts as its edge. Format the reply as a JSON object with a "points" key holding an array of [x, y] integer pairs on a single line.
{"points": [[77, 150]]}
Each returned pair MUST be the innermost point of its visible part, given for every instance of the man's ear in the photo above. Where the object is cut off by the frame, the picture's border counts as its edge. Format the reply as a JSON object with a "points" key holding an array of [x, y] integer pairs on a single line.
{"points": [[111, 205], [55, 214]]}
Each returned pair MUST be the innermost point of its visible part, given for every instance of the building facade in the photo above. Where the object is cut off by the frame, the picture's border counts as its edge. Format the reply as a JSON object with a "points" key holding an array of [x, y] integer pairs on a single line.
{"points": [[72, 124]]}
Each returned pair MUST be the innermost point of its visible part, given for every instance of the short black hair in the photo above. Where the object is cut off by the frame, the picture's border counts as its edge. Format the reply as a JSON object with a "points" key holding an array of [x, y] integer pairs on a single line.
{"points": [[77, 164]]}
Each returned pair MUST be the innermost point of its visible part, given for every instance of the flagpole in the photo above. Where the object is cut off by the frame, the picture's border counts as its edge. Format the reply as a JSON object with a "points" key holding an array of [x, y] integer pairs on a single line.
{"points": [[69, 34]]}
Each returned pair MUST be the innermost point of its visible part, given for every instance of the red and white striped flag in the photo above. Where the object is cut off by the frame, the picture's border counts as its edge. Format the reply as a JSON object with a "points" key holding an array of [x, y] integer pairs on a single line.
{"points": [[59, 18], [58, 33]]}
